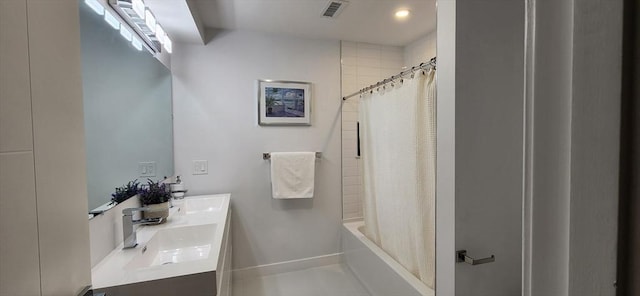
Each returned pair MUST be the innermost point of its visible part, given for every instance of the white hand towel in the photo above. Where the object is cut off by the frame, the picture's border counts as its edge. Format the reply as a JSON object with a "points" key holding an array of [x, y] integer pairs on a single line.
{"points": [[292, 174]]}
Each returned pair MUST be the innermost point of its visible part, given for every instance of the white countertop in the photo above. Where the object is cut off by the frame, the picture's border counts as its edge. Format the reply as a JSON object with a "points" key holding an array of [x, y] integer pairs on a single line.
{"points": [[112, 271]]}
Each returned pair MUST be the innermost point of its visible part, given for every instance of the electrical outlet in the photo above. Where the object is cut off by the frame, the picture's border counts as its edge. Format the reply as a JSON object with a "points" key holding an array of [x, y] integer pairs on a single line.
{"points": [[200, 167], [147, 169]]}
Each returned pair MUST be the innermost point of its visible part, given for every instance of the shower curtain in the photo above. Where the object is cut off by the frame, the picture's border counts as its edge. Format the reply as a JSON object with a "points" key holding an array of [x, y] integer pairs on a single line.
{"points": [[398, 137]]}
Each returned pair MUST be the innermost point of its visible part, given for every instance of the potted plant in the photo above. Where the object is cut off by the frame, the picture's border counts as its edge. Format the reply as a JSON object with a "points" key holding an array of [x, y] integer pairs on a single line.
{"points": [[125, 192], [155, 197]]}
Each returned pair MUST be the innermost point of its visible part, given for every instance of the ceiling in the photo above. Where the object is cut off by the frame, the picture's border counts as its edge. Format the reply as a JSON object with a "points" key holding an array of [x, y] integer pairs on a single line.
{"points": [[369, 21]]}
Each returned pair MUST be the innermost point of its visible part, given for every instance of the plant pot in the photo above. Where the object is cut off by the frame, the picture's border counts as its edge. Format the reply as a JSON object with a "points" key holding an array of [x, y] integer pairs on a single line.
{"points": [[160, 210]]}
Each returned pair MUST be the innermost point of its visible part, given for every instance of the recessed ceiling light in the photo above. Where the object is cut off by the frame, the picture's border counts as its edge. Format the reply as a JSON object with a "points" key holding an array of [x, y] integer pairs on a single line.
{"points": [[403, 13]]}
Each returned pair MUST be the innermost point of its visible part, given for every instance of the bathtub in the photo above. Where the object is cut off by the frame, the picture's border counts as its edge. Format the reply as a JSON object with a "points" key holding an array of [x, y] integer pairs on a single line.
{"points": [[377, 271]]}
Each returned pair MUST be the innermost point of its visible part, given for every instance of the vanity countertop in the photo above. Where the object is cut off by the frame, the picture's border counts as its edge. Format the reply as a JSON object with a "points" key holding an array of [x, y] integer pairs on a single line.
{"points": [[186, 217]]}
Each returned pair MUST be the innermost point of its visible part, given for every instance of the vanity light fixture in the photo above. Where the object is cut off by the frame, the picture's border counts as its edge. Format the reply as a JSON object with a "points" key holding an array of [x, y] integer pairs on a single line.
{"points": [[141, 19], [114, 22], [150, 21]]}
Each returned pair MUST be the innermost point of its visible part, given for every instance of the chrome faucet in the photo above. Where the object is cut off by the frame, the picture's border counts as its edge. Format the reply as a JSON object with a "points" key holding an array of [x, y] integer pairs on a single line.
{"points": [[129, 235]]}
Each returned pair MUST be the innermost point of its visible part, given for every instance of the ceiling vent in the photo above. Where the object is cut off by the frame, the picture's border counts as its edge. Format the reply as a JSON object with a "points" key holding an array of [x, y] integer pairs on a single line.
{"points": [[334, 8]]}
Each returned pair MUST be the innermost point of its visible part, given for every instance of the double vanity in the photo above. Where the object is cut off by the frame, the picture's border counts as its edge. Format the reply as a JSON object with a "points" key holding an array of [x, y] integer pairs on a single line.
{"points": [[189, 254]]}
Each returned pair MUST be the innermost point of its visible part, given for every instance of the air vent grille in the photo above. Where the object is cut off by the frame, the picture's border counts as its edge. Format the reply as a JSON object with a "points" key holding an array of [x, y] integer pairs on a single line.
{"points": [[333, 9]]}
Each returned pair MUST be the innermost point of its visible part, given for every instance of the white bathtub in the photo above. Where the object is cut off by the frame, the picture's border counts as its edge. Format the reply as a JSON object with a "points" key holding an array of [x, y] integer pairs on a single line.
{"points": [[377, 271]]}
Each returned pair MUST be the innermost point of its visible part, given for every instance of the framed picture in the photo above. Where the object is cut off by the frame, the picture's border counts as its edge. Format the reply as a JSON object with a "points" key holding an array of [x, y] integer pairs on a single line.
{"points": [[284, 102]]}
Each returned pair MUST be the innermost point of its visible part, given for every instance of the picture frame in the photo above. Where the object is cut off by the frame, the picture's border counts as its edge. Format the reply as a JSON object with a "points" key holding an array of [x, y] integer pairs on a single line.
{"points": [[283, 102]]}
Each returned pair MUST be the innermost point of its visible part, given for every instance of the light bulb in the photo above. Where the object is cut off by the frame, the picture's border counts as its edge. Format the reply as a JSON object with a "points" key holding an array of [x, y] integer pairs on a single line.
{"points": [[111, 20], [138, 8], [124, 32], [160, 34], [403, 13], [150, 20], [95, 5], [167, 44], [136, 44]]}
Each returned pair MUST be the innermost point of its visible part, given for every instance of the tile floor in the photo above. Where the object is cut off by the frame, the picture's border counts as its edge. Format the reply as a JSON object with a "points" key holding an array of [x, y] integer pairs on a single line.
{"points": [[334, 280]]}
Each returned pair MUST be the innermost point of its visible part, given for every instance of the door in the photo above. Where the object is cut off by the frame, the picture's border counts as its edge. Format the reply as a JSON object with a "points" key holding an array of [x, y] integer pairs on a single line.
{"points": [[489, 146]]}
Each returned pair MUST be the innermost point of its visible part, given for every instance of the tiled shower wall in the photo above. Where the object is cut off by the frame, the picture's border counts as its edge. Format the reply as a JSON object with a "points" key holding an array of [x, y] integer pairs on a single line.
{"points": [[362, 65]]}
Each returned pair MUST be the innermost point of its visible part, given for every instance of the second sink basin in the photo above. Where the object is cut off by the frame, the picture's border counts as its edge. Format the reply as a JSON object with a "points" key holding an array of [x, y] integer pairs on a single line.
{"points": [[174, 246], [201, 205]]}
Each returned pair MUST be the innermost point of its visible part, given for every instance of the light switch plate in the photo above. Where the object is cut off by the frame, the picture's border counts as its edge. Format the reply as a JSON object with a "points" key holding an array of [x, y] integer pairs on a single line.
{"points": [[147, 169], [200, 167]]}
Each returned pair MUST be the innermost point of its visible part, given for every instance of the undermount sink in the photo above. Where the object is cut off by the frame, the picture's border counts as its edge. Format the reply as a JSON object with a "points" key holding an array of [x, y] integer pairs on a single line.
{"points": [[189, 252], [174, 246], [201, 205]]}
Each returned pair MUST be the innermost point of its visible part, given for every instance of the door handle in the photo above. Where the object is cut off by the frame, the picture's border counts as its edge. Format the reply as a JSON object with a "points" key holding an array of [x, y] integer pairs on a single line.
{"points": [[461, 256]]}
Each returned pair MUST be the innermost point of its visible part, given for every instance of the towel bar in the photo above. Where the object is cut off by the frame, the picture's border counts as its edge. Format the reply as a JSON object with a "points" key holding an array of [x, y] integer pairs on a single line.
{"points": [[267, 155]]}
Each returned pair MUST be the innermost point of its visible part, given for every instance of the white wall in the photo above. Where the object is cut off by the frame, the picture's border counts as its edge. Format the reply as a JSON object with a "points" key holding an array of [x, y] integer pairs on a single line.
{"points": [[215, 119], [363, 64], [420, 50]]}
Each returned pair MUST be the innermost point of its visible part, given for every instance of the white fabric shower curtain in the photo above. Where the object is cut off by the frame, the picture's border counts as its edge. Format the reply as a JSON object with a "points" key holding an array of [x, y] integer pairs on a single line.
{"points": [[398, 137]]}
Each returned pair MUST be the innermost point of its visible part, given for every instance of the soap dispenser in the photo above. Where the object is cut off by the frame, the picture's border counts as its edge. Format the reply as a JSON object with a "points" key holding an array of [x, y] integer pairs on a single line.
{"points": [[177, 189]]}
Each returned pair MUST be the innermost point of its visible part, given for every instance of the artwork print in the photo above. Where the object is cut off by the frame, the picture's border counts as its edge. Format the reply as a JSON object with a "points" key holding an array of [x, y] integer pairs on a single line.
{"points": [[284, 103]]}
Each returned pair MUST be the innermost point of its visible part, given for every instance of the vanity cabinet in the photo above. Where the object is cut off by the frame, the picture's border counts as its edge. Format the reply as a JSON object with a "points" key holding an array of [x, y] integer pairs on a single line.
{"points": [[197, 235], [223, 272]]}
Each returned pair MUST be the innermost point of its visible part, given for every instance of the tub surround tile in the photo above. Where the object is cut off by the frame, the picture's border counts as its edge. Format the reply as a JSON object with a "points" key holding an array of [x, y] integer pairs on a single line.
{"points": [[372, 52], [363, 64], [349, 51]]}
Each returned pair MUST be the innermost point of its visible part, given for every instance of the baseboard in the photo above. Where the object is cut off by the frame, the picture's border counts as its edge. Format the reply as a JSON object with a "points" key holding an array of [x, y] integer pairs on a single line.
{"points": [[286, 266]]}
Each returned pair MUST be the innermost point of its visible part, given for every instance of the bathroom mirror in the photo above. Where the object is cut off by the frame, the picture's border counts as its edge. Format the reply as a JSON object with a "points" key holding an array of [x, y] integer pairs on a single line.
{"points": [[127, 110]]}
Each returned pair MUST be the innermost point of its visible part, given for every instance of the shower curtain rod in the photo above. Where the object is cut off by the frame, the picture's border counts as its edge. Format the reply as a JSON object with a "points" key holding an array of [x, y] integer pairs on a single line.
{"points": [[423, 66]]}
